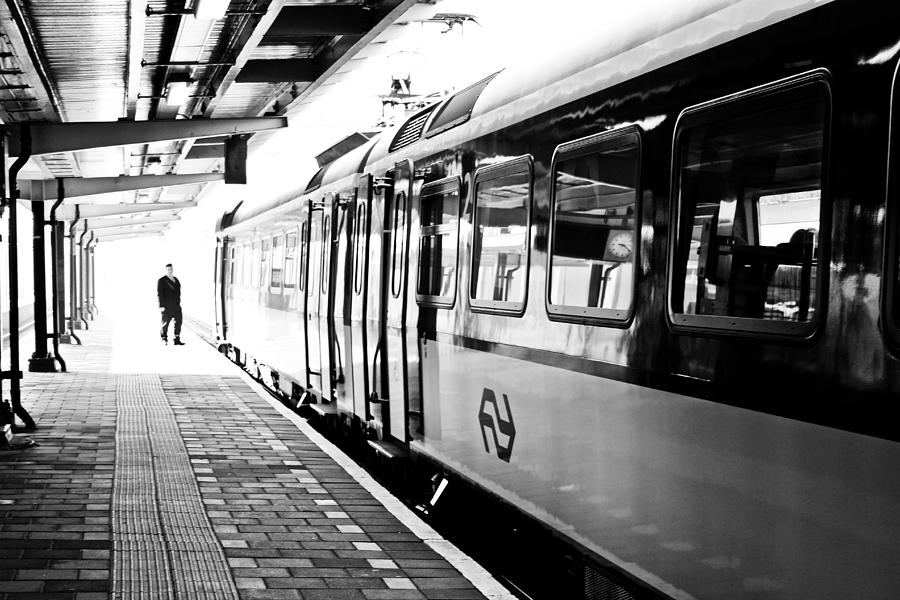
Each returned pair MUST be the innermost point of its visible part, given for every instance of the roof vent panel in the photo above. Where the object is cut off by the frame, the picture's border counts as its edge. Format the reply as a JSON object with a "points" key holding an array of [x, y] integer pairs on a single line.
{"points": [[411, 131]]}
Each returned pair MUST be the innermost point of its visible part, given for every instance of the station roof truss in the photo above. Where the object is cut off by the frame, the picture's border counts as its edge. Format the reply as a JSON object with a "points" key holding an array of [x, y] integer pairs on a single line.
{"points": [[93, 77]]}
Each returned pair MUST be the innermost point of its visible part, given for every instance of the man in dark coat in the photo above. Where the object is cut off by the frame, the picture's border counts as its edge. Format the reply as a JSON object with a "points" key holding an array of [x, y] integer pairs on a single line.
{"points": [[168, 289]]}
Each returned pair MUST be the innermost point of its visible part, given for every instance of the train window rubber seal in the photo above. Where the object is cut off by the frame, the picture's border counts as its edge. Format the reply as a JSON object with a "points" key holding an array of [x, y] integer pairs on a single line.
{"points": [[441, 186], [728, 107], [890, 289], [515, 166], [615, 139]]}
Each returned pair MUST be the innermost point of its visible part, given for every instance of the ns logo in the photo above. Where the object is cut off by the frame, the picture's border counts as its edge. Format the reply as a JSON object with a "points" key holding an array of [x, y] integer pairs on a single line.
{"points": [[492, 420]]}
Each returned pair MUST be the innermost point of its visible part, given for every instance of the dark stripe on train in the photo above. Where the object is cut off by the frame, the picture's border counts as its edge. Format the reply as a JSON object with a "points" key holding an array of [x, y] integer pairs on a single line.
{"points": [[679, 384]]}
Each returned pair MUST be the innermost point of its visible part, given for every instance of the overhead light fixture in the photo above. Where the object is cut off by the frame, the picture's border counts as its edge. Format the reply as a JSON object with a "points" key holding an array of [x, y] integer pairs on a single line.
{"points": [[210, 9], [177, 93]]}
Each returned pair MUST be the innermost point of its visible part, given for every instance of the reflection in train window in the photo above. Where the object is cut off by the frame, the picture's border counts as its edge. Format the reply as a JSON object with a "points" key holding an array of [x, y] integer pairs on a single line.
{"points": [[594, 229], [359, 248], [290, 269], [245, 265], [303, 257], [326, 253], [398, 243], [231, 264], [255, 262], [499, 279], [438, 237], [277, 262], [264, 264], [750, 204]]}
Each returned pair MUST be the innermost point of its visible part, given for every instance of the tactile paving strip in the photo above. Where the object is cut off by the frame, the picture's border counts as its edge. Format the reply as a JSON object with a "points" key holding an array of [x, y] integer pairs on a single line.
{"points": [[164, 546]]}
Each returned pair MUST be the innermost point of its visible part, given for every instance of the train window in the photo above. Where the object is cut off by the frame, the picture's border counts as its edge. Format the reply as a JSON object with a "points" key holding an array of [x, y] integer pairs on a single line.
{"points": [[594, 228], [499, 280], [264, 264], [303, 256], [290, 250], [438, 242], [275, 280], [890, 291], [245, 265], [359, 250], [254, 273], [398, 243], [326, 253], [748, 189], [457, 109]]}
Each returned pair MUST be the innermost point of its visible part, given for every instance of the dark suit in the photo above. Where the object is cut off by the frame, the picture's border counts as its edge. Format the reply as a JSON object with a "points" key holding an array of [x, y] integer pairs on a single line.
{"points": [[169, 293]]}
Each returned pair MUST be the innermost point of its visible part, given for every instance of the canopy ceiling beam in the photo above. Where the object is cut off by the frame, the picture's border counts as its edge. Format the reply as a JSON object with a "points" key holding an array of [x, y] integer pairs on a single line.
{"points": [[114, 222], [206, 151], [104, 236], [289, 69], [48, 138], [298, 21], [346, 47], [73, 187], [67, 212]]}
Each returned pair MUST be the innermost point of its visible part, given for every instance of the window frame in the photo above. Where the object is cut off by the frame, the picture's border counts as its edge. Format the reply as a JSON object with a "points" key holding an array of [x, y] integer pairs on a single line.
{"points": [[630, 135], [434, 188], [520, 164], [722, 109]]}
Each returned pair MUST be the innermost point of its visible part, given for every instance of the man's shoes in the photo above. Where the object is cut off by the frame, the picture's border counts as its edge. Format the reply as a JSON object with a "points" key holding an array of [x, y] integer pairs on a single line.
{"points": [[177, 342], [165, 342]]}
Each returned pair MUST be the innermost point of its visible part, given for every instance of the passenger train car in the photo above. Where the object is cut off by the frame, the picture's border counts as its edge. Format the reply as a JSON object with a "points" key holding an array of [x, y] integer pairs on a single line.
{"points": [[644, 290]]}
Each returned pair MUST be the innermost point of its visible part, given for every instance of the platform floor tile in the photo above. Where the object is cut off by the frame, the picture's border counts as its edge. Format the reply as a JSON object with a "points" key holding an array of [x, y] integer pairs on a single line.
{"points": [[167, 476]]}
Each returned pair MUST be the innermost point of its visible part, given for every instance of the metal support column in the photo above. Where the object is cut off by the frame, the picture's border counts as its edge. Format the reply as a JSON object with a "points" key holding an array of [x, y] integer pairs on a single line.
{"points": [[41, 361], [15, 374], [88, 276], [73, 281], [57, 265], [93, 281], [78, 271]]}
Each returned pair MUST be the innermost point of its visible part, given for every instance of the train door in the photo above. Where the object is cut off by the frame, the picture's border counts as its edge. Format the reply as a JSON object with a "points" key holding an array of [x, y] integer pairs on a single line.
{"points": [[219, 286], [302, 286], [374, 312], [313, 295], [397, 357], [326, 318], [340, 297], [358, 361]]}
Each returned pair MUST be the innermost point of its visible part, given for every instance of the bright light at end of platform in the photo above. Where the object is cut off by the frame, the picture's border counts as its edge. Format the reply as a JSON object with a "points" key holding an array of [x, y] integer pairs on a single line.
{"points": [[210, 9]]}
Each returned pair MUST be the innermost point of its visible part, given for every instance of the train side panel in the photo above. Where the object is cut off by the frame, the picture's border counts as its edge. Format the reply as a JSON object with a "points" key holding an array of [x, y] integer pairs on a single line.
{"points": [[698, 498]]}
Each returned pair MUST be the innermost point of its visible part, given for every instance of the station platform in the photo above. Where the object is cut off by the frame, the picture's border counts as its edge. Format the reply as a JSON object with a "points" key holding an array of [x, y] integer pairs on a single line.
{"points": [[165, 472]]}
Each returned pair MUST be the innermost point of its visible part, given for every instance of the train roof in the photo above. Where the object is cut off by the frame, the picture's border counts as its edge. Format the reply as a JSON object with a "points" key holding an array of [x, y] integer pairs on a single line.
{"points": [[637, 38], [641, 37], [344, 166], [596, 55]]}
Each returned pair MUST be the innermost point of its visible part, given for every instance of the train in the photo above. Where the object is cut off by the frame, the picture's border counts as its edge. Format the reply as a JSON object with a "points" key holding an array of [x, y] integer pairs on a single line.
{"points": [[643, 290]]}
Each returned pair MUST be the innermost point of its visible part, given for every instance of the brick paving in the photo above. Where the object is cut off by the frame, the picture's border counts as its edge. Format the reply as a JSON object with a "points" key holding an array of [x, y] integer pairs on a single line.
{"points": [[284, 518]]}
